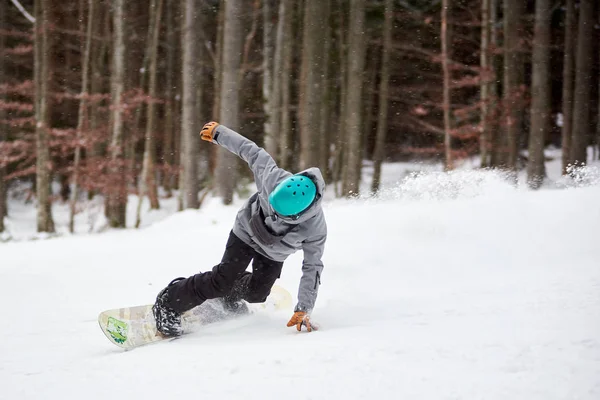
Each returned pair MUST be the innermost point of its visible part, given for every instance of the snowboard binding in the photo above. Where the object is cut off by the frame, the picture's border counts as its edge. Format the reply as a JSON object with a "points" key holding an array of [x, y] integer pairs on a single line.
{"points": [[168, 321]]}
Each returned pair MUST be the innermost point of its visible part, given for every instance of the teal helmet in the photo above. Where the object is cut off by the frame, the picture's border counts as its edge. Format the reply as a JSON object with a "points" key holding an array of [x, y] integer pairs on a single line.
{"points": [[293, 195]]}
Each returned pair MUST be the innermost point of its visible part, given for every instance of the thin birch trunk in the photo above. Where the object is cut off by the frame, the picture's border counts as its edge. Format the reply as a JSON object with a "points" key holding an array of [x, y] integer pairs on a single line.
{"points": [[82, 116], [42, 83], [384, 87], [540, 94], [447, 102]]}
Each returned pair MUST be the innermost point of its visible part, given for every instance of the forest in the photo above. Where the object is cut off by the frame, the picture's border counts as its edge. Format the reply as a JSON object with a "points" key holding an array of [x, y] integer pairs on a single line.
{"points": [[107, 97]]}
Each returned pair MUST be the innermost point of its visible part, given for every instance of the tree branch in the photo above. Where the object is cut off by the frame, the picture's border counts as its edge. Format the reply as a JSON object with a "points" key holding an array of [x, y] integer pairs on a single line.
{"points": [[23, 11]]}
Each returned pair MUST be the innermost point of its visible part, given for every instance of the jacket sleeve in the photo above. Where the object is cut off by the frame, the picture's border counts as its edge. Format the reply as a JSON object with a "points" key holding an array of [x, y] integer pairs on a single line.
{"points": [[312, 267], [266, 172]]}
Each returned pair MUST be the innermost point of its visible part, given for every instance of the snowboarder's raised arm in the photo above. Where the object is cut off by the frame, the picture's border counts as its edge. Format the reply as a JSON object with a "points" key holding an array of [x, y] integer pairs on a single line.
{"points": [[266, 172]]}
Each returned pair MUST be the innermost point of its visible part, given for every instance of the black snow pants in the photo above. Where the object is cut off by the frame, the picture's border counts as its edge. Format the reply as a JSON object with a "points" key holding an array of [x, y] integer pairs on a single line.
{"points": [[228, 279]]}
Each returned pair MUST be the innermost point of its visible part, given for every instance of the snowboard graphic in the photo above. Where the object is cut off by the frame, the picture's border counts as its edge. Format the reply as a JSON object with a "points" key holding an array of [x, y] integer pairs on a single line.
{"points": [[131, 327]]}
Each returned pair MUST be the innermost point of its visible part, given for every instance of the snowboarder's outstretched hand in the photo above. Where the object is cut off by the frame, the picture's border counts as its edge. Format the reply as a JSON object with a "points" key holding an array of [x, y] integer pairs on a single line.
{"points": [[300, 318], [207, 131]]}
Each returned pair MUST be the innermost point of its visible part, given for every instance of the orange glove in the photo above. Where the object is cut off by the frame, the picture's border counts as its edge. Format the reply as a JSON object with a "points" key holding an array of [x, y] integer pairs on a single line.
{"points": [[207, 131], [300, 318]]}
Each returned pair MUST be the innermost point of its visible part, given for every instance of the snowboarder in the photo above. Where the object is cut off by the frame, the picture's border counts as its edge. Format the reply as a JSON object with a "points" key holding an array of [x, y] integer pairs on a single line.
{"points": [[282, 217]]}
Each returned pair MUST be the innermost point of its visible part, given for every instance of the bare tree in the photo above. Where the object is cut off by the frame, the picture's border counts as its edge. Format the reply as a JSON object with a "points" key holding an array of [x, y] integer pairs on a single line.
{"points": [[189, 123], [583, 81], [82, 115], [568, 82], [540, 94], [447, 101], [42, 73], [485, 63], [3, 126], [327, 91], [493, 126], [147, 181], [226, 173], [269, 76], [342, 82], [117, 199], [311, 88], [287, 18], [170, 90], [597, 148], [379, 152], [513, 80], [356, 64]]}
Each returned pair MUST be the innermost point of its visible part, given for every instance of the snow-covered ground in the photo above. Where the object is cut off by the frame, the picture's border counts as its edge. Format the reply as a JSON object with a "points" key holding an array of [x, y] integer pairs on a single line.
{"points": [[448, 286]]}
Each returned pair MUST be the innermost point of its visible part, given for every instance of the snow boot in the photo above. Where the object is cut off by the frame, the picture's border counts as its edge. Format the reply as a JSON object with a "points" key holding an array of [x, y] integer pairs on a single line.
{"points": [[168, 321], [233, 302], [235, 307]]}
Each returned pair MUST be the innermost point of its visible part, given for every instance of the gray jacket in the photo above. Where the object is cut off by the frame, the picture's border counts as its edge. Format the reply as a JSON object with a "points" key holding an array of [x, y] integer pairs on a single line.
{"points": [[307, 233]]}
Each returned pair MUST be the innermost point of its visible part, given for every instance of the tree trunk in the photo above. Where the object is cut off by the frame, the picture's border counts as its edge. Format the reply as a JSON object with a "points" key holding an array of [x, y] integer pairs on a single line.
{"points": [[356, 63], [97, 76], [340, 140], [42, 115], [326, 96], [272, 145], [170, 89], [226, 173], [269, 75], [513, 81], [597, 148], [216, 112], [485, 139], [583, 81], [117, 200], [82, 115], [540, 94], [447, 101], [286, 79], [496, 150], [3, 126], [569, 49], [147, 182], [310, 80], [189, 126], [384, 87]]}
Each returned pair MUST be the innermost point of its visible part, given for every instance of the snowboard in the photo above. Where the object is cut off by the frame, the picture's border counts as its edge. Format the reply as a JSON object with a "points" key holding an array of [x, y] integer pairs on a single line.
{"points": [[132, 327]]}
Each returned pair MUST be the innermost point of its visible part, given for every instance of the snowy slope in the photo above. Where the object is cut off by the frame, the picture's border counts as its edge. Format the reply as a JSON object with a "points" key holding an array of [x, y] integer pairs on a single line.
{"points": [[454, 286]]}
